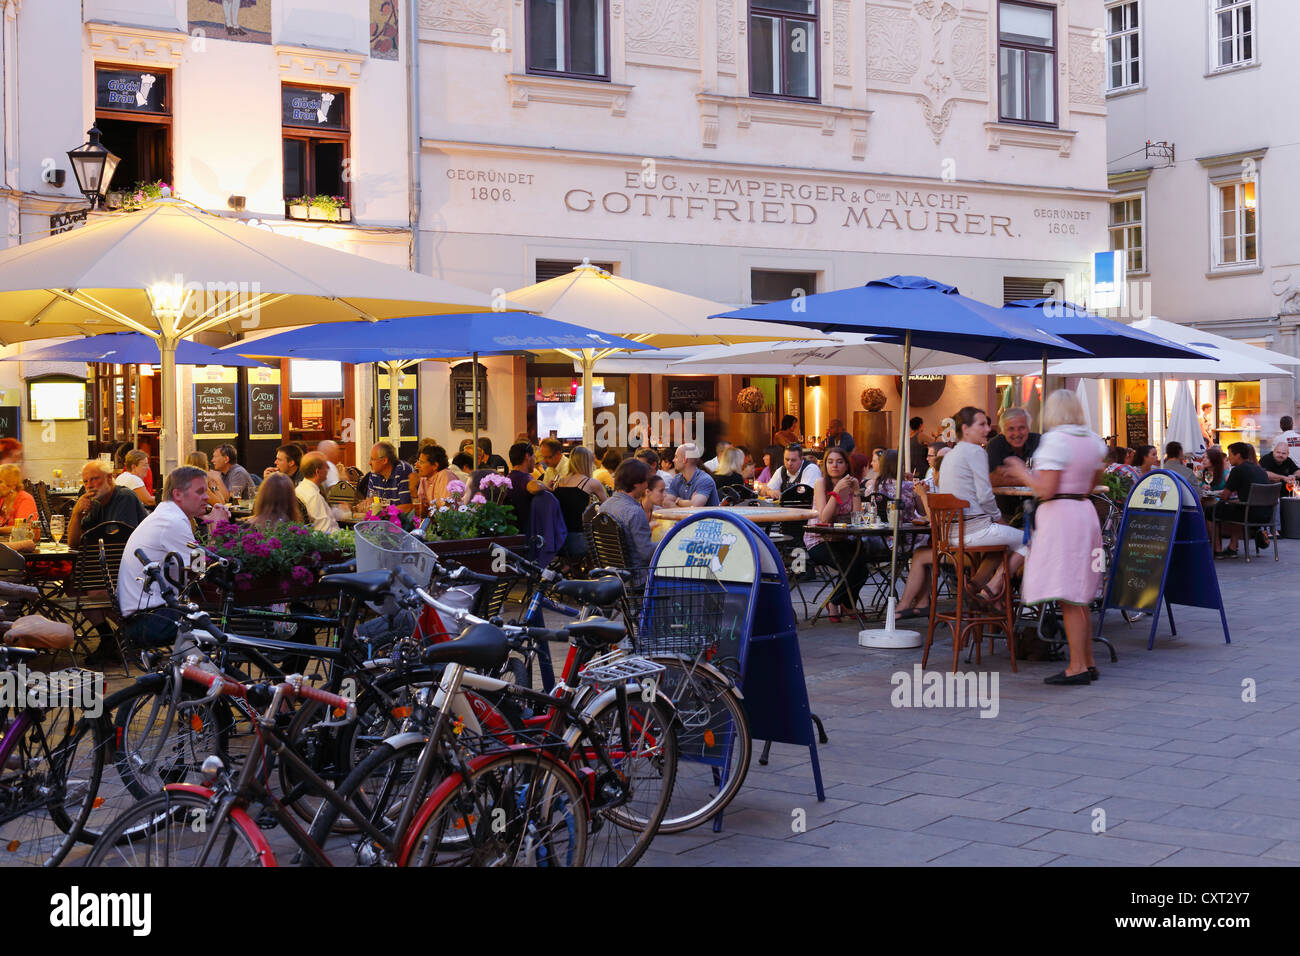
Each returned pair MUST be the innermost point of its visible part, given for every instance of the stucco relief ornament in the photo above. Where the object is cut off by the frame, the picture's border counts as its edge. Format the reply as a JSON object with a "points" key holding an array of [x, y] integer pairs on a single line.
{"points": [[1288, 296], [936, 111]]}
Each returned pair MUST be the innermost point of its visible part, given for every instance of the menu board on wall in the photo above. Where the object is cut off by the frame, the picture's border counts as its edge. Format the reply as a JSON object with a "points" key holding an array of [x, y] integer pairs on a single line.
{"points": [[10, 419], [215, 410], [264, 411], [406, 399]]}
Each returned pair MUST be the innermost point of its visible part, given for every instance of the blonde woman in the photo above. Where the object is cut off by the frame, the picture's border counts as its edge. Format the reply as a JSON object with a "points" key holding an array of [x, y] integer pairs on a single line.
{"points": [[731, 465], [1062, 564], [217, 494], [574, 492], [15, 503], [134, 466]]}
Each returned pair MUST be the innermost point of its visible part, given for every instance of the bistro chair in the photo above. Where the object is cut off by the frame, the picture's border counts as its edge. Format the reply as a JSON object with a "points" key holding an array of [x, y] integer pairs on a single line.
{"points": [[110, 561], [1261, 496], [91, 588], [341, 493], [966, 619], [610, 550], [736, 494], [41, 492]]}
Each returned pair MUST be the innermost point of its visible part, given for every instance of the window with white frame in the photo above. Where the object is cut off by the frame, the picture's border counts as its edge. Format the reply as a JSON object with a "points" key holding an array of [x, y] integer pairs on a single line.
{"points": [[1232, 33], [568, 38], [783, 48], [1234, 227], [1127, 231], [1027, 63], [1123, 46]]}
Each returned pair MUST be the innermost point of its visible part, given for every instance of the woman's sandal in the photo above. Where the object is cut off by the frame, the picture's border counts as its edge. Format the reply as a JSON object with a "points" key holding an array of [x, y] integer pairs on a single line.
{"points": [[988, 600]]}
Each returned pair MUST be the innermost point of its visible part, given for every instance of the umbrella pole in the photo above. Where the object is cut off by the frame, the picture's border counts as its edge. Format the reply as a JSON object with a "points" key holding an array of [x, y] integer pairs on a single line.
{"points": [[394, 419], [473, 371], [588, 426], [169, 453], [888, 636], [1042, 400]]}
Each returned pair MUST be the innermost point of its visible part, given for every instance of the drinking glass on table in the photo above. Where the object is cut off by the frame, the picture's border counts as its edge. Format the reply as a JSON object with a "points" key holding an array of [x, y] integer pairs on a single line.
{"points": [[56, 528]]}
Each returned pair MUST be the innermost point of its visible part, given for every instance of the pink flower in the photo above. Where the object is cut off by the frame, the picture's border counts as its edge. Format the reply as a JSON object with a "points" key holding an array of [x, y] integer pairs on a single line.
{"points": [[455, 487], [478, 500], [273, 543], [493, 480], [302, 575]]}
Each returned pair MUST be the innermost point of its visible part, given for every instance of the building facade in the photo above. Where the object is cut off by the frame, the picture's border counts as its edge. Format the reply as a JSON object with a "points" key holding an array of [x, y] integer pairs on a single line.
{"points": [[1200, 157], [742, 150]]}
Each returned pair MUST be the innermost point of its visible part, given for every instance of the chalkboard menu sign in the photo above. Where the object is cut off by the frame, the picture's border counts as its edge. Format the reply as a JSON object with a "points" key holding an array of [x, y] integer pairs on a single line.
{"points": [[1137, 429], [264, 411], [406, 399], [1143, 554], [317, 109], [135, 91], [214, 410], [10, 415]]}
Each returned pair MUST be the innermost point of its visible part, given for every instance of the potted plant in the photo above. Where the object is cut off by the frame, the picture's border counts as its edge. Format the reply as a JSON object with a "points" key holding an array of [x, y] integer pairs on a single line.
{"points": [[328, 208], [141, 194], [298, 207], [278, 562], [466, 532]]}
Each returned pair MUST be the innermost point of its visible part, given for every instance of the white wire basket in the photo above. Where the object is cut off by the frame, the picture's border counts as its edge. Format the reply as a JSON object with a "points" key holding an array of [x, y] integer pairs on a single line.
{"points": [[617, 668], [383, 547]]}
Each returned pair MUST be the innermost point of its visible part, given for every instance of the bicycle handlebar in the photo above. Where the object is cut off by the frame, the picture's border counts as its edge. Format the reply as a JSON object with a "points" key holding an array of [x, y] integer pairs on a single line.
{"points": [[300, 688], [211, 680]]}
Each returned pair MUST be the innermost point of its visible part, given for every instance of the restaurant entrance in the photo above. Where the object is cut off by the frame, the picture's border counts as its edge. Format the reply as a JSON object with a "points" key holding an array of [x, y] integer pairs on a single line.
{"points": [[118, 394]]}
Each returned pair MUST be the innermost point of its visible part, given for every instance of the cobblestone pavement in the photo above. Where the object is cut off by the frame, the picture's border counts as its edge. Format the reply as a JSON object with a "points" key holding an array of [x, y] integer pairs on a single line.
{"points": [[1162, 750], [1184, 771]]}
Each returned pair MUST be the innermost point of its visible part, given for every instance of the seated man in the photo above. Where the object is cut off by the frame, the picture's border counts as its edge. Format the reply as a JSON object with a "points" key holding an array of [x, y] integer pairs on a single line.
{"points": [[1278, 463], [795, 470], [389, 478], [692, 486], [147, 622], [1174, 462], [1245, 472], [288, 461], [238, 482], [310, 493], [102, 503], [624, 506], [523, 486], [1015, 440]]}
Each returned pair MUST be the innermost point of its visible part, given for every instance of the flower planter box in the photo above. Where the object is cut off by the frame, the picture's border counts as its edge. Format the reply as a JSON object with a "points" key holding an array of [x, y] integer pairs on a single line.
{"points": [[316, 212], [476, 553], [298, 212], [264, 592]]}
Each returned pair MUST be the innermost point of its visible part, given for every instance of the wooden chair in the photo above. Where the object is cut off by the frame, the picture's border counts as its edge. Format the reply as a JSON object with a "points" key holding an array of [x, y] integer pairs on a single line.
{"points": [[41, 492], [342, 492], [948, 523]]}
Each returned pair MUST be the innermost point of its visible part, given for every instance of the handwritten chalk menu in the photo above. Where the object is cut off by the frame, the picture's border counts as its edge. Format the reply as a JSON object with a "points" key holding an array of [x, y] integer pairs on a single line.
{"points": [[406, 399], [264, 411], [215, 410], [1143, 554], [10, 416]]}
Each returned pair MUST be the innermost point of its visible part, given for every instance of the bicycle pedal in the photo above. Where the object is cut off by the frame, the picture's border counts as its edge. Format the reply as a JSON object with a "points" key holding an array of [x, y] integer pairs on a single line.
{"points": [[266, 821]]}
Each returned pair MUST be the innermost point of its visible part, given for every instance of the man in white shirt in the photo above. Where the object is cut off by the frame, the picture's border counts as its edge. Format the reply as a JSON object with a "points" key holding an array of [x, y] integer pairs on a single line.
{"points": [[1289, 438], [332, 454], [184, 497], [314, 504], [796, 470]]}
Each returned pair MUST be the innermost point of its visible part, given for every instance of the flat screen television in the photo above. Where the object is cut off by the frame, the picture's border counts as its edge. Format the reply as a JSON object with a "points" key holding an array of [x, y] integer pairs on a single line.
{"points": [[315, 379], [56, 400]]}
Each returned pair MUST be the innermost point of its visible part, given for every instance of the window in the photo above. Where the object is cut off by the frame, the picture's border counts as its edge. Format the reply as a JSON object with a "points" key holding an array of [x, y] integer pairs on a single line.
{"points": [[771, 285], [1027, 63], [568, 38], [133, 112], [1015, 288], [1234, 223], [315, 124], [1232, 32], [1123, 55], [1126, 231], [783, 48], [554, 268]]}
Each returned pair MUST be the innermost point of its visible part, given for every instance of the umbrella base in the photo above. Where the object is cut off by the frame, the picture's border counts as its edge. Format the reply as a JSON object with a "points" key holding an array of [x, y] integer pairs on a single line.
{"points": [[888, 637]]}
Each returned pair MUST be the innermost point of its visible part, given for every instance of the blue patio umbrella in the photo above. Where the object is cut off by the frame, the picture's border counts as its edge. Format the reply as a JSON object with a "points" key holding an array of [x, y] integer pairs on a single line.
{"points": [[1104, 338], [131, 348], [916, 310], [393, 342]]}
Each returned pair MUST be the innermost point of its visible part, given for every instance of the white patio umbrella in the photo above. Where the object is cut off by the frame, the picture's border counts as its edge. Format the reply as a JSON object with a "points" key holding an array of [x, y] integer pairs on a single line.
{"points": [[592, 298], [173, 270], [1184, 426], [1081, 392]]}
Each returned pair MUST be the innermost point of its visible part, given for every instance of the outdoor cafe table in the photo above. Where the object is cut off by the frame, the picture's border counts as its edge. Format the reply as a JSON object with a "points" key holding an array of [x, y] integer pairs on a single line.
{"points": [[47, 568], [757, 514], [907, 533], [1024, 491]]}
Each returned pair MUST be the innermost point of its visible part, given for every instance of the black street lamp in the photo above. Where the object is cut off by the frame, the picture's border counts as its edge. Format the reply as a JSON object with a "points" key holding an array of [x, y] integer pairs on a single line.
{"points": [[94, 166]]}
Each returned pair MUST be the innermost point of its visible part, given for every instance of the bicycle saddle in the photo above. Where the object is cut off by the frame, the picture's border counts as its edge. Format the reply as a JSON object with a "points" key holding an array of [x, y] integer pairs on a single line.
{"points": [[370, 585], [598, 591], [597, 632], [481, 646]]}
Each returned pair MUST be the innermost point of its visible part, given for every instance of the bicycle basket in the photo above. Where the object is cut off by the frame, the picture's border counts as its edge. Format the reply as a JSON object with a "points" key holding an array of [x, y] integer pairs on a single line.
{"points": [[681, 611], [383, 547]]}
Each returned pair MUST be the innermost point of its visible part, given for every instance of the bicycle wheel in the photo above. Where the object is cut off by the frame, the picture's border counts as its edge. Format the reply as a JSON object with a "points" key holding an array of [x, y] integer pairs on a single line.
{"points": [[629, 804], [714, 746], [172, 828], [519, 808], [47, 786], [156, 744]]}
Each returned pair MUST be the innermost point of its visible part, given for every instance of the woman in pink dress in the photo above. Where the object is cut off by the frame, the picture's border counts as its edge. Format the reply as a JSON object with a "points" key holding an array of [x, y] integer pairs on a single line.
{"points": [[1063, 563]]}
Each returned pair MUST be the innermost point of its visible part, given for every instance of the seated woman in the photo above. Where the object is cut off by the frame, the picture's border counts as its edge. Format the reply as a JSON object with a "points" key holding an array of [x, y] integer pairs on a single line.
{"points": [[654, 498], [1216, 468], [966, 474], [731, 463], [887, 484], [217, 494], [574, 491], [134, 466], [771, 462], [276, 502], [835, 498], [15, 503]]}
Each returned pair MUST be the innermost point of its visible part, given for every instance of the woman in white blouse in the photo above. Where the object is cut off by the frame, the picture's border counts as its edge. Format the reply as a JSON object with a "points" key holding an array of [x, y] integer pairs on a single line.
{"points": [[135, 464], [965, 473]]}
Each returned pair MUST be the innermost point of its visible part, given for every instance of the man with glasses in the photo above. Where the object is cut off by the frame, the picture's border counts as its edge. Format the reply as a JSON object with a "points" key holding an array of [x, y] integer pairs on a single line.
{"points": [[389, 478]]}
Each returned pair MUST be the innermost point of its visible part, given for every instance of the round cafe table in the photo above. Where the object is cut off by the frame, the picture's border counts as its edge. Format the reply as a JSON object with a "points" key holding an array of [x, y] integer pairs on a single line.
{"points": [[757, 514], [1024, 491]]}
